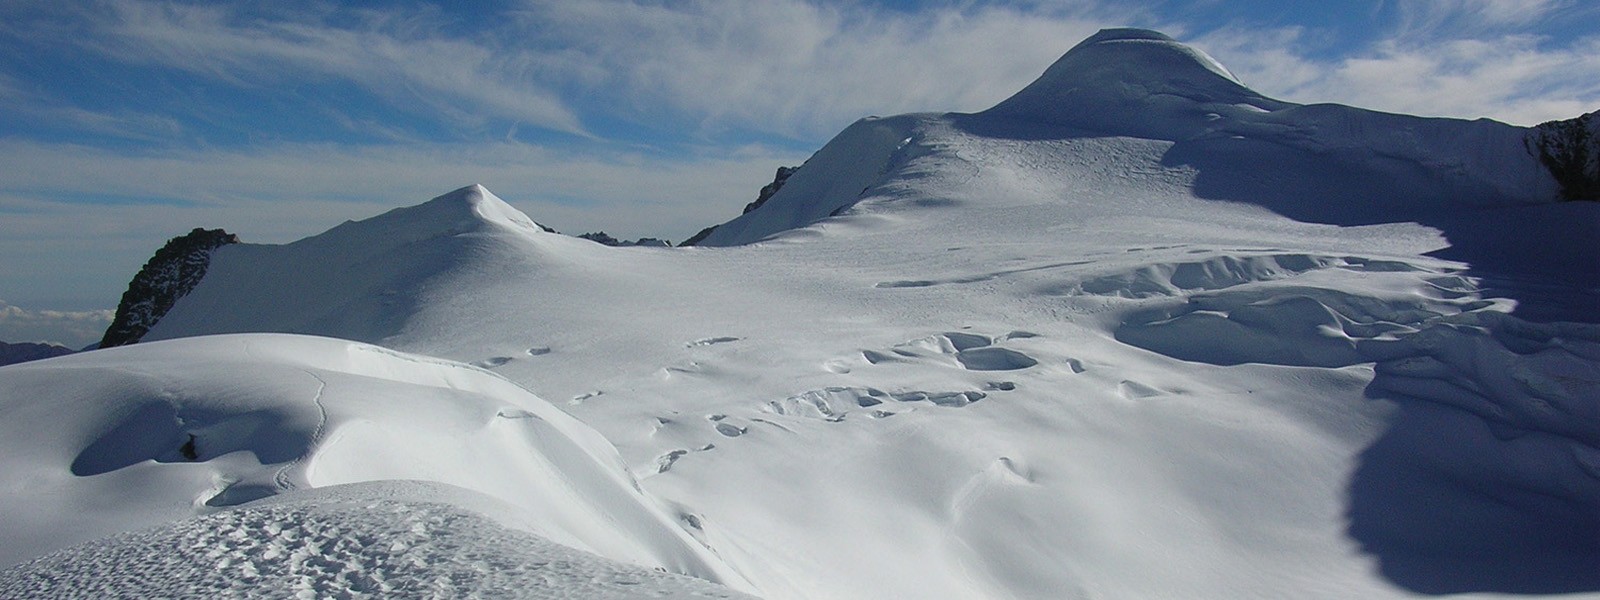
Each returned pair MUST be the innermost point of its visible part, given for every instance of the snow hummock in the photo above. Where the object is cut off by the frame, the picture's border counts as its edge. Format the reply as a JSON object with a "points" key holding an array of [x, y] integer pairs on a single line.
{"points": [[128, 438]]}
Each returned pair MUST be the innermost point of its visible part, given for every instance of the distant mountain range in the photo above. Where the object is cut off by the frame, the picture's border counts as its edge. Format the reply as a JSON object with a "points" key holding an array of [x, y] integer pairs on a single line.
{"points": [[12, 353]]}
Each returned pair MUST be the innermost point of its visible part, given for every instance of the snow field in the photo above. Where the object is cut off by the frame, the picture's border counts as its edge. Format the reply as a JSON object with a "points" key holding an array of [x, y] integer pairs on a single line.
{"points": [[157, 432], [375, 540], [1137, 332]]}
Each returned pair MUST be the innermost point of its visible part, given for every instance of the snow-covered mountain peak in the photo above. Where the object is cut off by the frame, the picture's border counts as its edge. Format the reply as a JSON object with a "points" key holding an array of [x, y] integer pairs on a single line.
{"points": [[1134, 82], [469, 210], [1152, 48], [474, 203], [1145, 97], [387, 260]]}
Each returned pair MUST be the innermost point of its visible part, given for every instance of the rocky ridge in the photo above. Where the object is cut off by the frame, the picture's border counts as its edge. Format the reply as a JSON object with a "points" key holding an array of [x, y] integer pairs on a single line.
{"points": [[1570, 149], [169, 275], [765, 194], [601, 237]]}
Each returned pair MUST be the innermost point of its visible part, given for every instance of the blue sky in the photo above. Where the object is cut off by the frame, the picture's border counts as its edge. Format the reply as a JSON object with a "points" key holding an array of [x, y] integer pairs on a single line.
{"points": [[125, 122]]}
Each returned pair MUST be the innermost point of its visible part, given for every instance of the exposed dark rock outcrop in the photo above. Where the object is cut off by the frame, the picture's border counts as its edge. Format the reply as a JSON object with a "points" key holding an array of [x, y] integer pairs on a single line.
{"points": [[602, 237], [766, 193], [771, 188], [1570, 149], [11, 354], [696, 238], [169, 275]]}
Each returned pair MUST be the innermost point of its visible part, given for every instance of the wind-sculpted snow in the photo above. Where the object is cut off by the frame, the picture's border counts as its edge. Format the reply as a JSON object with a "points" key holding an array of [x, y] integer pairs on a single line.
{"points": [[376, 540], [124, 439], [1235, 314], [1497, 447], [1520, 470]]}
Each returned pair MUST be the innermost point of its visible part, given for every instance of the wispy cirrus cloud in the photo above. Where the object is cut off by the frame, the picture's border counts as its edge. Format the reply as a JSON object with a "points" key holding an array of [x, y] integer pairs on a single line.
{"points": [[398, 55], [802, 69], [647, 195], [22, 103], [1518, 78], [77, 220], [1473, 17], [806, 68], [789, 67]]}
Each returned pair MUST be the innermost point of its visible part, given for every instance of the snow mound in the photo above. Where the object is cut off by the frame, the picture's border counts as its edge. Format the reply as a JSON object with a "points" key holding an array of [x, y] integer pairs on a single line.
{"points": [[390, 261], [127, 438], [375, 540], [1133, 82]]}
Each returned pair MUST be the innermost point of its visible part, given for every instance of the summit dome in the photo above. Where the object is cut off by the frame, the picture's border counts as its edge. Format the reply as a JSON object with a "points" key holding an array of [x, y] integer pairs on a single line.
{"points": [[1134, 82]]}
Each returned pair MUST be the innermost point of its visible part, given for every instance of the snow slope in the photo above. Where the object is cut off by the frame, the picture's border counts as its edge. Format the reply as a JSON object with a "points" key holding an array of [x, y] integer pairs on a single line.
{"points": [[123, 439], [361, 280], [1137, 332], [1322, 162], [388, 539]]}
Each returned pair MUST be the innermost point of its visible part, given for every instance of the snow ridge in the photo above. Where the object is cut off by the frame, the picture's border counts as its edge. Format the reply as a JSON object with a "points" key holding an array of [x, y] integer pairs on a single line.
{"points": [[1356, 166], [221, 421], [390, 258]]}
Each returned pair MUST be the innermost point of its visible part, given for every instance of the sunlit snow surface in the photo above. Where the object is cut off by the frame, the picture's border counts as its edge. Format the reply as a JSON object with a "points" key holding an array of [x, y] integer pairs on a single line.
{"points": [[129, 438], [380, 540], [1241, 349]]}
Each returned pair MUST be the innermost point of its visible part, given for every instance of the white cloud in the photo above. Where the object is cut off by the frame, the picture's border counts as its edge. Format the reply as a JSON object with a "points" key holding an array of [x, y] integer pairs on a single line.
{"points": [[1517, 78], [398, 58], [802, 68], [73, 329], [633, 193], [60, 242], [805, 69], [791, 67]]}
